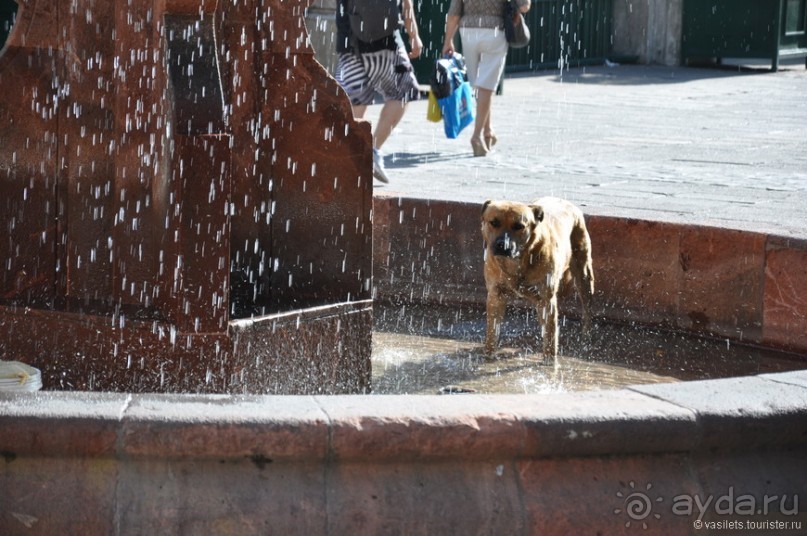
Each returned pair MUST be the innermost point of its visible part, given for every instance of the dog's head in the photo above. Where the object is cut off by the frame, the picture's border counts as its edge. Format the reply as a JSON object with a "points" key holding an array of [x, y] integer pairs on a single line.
{"points": [[508, 226]]}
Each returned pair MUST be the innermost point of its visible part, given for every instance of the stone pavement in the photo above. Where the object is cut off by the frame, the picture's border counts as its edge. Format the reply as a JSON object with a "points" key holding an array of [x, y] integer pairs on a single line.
{"points": [[708, 146]]}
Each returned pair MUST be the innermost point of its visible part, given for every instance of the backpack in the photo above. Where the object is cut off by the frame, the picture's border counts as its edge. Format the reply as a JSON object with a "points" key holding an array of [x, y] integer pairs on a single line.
{"points": [[371, 20]]}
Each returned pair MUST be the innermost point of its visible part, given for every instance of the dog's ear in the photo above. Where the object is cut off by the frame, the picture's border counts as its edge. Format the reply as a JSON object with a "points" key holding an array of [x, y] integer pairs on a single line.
{"points": [[485, 205], [538, 214]]}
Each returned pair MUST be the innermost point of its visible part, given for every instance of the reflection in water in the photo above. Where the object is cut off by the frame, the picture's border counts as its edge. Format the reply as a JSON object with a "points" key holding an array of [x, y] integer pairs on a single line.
{"points": [[425, 350]]}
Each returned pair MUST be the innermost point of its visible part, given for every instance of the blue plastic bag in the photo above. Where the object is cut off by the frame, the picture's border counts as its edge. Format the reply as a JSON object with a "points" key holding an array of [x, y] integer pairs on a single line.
{"points": [[459, 110]]}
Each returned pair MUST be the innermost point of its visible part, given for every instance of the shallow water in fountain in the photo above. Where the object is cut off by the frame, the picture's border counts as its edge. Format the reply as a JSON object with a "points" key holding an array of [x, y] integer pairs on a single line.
{"points": [[428, 350]]}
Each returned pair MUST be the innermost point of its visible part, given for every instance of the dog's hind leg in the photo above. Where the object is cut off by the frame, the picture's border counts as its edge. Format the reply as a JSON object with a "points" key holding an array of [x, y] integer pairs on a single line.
{"points": [[584, 283], [583, 273]]}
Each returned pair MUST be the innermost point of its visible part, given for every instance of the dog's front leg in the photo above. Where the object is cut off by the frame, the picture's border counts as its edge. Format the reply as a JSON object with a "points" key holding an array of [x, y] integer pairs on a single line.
{"points": [[496, 305], [548, 312]]}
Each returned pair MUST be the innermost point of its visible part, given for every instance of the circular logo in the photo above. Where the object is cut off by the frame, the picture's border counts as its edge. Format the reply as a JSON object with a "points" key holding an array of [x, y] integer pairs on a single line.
{"points": [[637, 505]]}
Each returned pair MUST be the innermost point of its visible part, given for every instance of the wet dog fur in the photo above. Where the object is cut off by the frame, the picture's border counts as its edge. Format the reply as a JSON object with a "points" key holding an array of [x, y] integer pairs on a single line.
{"points": [[532, 251]]}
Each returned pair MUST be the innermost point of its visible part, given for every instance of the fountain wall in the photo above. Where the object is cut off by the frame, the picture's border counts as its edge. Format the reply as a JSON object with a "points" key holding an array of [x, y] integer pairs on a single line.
{"points": [[610, 462], [564, 463], [173, 175], [735, 285]]}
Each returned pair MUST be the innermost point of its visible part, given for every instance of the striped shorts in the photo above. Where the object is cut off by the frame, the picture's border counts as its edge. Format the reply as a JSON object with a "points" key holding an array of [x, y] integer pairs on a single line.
{"points": [[388, 72]]}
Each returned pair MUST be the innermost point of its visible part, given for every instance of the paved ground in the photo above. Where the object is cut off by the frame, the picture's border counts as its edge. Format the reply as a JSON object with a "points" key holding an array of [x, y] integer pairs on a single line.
{"points": [[701, 145]]}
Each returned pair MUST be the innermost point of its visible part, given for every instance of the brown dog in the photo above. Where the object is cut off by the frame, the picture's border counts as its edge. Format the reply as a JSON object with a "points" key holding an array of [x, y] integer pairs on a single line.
{"points": [[531, 251]]}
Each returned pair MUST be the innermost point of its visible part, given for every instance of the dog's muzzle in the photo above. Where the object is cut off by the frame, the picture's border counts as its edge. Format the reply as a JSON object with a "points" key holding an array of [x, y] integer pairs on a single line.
{"points": [[504, 246]]}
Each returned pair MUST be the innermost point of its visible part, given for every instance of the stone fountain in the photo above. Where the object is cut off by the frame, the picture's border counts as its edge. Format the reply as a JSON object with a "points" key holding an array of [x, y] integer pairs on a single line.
{"points": [[176, 220], [186, 200]]}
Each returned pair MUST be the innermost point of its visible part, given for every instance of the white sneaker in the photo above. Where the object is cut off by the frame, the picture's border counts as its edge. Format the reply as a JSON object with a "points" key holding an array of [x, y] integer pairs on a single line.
{"points": [[378, 167]]}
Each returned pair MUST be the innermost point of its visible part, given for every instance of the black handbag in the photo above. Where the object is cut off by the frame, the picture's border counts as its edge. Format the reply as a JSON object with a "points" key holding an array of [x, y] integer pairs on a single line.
{"points": [[515, 27], [449, 73]]}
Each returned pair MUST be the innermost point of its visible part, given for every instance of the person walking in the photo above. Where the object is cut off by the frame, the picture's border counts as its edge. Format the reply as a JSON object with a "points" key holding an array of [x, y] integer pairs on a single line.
{"points": [[484, 48], [379, 65]]}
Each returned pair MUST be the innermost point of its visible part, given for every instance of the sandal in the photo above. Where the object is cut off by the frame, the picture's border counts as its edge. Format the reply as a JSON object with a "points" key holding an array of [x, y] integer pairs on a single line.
{"points": [[479, 147], [491, 140]]}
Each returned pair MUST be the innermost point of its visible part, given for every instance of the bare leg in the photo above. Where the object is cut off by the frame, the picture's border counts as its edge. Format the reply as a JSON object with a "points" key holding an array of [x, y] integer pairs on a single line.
{"points": [[359, 111], [487, 129], [391, 114], [482, 123]]}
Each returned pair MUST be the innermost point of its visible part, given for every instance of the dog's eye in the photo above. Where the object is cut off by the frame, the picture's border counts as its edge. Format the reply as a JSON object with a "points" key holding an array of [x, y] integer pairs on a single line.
{"points": [[518, 226], [495, 224]]}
